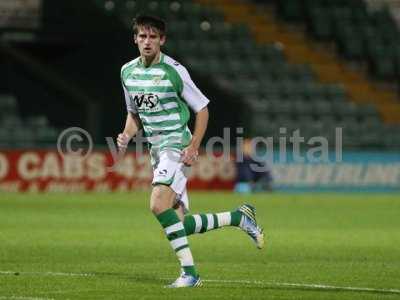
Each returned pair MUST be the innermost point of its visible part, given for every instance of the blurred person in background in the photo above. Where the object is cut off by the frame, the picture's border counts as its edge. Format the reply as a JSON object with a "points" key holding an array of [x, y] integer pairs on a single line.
{"points": [[253, 175]]}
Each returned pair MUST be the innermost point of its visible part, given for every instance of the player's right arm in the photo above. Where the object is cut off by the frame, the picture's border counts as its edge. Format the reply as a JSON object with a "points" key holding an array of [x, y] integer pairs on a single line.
{"points": [[132, 123], [132, 126]]}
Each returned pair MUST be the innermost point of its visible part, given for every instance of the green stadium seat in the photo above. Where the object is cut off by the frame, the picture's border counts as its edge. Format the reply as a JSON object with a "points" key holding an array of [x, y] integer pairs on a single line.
{"points": [[257, 104], [235, 66], [384, 67], [335, 93], [11, 121], [301, 73], [23, 137], [218, 29], [171, 48], [367, 112], [280, 107], [284, 120], [47, 134], [371, 139], [191, 9], [345, 109], [373, 121], [320, 24], [321, 108], [179, 30], [391, 142], [239, 32], [255, 67], [301, 107], [271, 53], [330, 119], [37, 121], [305, 118], [290, 9], [280, 72], [249, 85], [351, 44], [313, 90], [341, 13], [4, 137], [270, 92], [289, 89], [390, 136]]}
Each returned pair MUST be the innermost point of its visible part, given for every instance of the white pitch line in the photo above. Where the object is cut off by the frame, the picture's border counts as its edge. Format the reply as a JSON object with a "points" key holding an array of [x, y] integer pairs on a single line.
{"points": [[349, 288], [46, 273], [307, 285], [22, 298], [254, 282]]}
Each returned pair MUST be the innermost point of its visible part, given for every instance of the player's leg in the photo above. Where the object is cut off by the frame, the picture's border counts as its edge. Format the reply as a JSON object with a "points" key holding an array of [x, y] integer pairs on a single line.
{"points": [[244, 217], [180, 211], [200, 223], [166, 183], [162, 198]]}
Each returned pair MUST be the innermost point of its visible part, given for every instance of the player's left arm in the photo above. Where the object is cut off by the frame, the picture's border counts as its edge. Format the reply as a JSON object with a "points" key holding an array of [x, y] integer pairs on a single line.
{"points": [[191, 152], [198, 103]]}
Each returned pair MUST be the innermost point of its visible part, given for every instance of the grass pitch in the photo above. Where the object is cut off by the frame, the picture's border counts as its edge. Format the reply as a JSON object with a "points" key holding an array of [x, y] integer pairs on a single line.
{"points": [[109, 246]]}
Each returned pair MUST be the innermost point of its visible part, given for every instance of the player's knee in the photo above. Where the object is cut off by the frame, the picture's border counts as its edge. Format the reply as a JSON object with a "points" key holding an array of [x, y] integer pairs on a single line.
{"points": [[157, 203], [156, 208]]}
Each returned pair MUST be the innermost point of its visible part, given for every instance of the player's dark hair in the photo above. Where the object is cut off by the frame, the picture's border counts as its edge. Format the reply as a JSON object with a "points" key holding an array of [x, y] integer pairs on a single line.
{"points": [[149, 21]]}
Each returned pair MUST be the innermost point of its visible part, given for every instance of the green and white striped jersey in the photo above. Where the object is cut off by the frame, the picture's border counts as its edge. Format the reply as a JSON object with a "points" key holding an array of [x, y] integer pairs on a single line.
{"points": [[160, 95]]}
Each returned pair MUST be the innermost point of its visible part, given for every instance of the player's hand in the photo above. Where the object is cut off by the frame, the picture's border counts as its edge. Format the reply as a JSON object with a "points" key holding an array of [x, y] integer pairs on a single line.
{"points": [[189, 155], [122, 141]]}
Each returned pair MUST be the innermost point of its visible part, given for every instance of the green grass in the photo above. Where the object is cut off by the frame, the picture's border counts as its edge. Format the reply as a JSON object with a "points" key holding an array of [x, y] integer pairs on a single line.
{"points": [[344, 240]]}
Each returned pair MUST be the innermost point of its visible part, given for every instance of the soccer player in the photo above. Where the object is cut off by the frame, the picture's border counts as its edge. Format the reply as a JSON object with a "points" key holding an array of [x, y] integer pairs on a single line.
{"points": [[158, 91]]}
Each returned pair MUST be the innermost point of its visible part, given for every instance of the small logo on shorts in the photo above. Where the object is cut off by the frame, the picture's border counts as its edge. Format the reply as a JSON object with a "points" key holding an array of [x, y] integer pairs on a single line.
{"points": [[162, 172]]}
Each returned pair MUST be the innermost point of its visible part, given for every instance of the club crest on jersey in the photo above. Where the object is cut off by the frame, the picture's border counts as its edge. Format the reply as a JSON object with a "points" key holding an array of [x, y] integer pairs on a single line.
{"points": [[146, 101], [157, 80]]}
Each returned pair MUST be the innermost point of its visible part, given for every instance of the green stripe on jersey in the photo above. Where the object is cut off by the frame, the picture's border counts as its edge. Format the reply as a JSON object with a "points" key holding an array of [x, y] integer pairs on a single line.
{"points": [[167, 132], [161, 112], [166, 123], [150, 89]]}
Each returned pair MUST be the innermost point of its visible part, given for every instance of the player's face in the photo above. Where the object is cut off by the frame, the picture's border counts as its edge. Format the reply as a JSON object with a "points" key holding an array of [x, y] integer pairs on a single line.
{"points": [[149, 41]]}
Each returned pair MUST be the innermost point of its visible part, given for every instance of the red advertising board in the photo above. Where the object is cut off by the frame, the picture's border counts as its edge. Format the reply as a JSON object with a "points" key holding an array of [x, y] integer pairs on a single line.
{"points": [[47, 171]]}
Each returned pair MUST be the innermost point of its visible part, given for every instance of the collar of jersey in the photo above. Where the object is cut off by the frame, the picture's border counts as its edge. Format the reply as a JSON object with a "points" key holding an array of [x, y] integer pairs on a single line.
{"points": [[153, 65]]}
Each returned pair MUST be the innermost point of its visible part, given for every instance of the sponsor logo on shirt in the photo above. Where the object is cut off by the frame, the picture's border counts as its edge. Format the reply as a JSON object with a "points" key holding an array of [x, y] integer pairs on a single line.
{"points": [[146, 101]]}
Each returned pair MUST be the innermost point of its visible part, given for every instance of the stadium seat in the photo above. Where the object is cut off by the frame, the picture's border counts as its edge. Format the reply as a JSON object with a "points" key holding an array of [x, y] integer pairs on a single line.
{"points": [[290, 9], [8, 105]]}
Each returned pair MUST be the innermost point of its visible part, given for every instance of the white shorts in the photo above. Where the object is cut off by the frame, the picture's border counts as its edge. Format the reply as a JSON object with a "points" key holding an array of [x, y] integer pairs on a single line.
{"points": [[170, 171]]}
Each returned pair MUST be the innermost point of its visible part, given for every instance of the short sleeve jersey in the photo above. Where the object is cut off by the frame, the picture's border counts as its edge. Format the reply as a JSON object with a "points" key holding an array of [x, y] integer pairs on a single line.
{"points": [[160, 96]]}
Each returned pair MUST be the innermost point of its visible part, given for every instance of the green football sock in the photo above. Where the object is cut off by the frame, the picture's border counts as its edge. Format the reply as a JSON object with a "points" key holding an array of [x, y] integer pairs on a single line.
{"points": [[176, 234], [200, 223]]}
